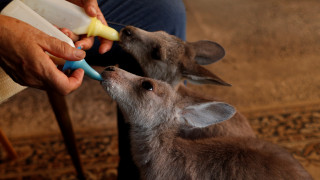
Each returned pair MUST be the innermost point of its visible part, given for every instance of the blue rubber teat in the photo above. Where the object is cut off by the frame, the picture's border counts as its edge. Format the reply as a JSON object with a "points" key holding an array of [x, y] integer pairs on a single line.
{"points": [[88, 70]]}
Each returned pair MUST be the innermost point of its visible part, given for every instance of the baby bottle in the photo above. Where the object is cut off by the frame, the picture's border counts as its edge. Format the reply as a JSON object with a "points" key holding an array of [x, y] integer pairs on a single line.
{"points": [[19, 10], [67, 15]]}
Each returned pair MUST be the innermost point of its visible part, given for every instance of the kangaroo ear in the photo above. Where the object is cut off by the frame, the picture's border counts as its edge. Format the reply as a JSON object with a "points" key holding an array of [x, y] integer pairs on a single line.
{"points": [[205, 114], [207, 52], [199, 75]]}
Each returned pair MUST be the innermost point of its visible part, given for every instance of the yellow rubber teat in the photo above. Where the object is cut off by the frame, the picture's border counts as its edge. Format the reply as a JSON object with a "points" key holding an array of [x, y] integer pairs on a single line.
{"points": [[96, 28]]}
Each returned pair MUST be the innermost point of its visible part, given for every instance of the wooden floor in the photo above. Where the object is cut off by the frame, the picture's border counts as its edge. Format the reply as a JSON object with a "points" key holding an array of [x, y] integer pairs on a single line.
{"points": [[272, 61], [272, 48]]}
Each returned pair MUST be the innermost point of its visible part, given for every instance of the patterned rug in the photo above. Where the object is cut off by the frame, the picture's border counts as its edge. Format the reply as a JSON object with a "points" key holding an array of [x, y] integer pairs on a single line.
{"points": [[43, 158], [295, 127]]}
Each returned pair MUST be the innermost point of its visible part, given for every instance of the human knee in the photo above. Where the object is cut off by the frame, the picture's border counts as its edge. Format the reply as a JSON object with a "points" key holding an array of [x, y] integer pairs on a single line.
{"points": [[173, 17]]}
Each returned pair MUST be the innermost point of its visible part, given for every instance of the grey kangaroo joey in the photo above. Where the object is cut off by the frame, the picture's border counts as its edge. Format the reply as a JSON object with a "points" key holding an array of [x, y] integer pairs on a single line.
{"points": [[159, 117], [168, 58]]}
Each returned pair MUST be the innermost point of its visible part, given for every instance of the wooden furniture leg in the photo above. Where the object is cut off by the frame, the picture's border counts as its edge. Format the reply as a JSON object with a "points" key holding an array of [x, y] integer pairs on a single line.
{"points": [[60, 109], [11, 153]]}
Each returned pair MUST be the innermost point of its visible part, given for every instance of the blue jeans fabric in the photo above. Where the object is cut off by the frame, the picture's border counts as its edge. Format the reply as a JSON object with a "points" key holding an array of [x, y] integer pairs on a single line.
{"points": [[166, 15], [3, 3]]}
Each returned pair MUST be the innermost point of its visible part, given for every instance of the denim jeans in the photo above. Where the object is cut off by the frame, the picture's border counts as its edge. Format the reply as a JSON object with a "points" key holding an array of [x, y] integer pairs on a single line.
{"points": [[166, 15]]}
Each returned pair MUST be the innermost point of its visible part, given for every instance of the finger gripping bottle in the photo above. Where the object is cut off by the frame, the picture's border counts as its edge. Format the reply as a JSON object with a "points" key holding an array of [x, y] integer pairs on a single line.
{"points": [[19, 10], [67, 15]]}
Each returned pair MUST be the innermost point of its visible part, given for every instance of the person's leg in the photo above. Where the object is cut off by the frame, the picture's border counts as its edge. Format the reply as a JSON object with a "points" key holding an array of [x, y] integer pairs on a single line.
{"points": [[166, 15]]}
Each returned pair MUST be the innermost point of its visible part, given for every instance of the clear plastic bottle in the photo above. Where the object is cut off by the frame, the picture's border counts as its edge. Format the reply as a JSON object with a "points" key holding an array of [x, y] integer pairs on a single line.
{"points": [[67, 15], [19, 10]]}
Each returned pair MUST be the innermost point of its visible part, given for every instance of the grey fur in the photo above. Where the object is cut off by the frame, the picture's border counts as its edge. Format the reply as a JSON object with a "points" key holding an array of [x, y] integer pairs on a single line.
{"points": [[178, 60], [158, 118]]}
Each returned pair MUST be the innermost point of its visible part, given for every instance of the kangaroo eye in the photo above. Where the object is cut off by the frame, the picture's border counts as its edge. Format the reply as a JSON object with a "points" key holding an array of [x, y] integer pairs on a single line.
{"points": [[155, 53], [147, 85]]}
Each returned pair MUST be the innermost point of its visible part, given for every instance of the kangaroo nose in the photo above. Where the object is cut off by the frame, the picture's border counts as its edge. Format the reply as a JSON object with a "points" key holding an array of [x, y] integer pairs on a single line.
{"points": [[127, 32], [110, 68]]}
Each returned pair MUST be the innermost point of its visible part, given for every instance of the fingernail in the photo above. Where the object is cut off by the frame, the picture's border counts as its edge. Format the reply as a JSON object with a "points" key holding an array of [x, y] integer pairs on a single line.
{"points": [[103, 50], [79, 53], [79, 45], [93, 11]]}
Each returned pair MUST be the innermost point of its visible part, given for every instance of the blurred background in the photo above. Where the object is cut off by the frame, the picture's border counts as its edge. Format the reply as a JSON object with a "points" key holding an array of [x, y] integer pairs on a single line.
{"points": [[272, 61]]}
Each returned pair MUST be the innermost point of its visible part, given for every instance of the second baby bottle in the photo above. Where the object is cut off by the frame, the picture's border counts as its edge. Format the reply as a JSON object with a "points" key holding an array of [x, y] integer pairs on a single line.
{"points": [[67, 15]]}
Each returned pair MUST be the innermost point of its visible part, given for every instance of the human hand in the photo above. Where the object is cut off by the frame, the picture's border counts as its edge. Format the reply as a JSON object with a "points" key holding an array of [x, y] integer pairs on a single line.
{"points": [[23, 57], [92, 9]]}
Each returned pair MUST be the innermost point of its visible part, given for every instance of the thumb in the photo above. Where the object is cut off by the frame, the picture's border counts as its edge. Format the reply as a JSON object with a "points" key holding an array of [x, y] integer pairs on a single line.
{"points": [[63, 84], [63, 50]]}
